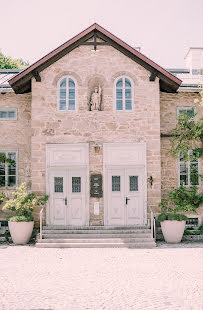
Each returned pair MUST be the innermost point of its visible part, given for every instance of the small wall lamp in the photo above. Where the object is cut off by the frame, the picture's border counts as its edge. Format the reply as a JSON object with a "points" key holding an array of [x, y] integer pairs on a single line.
{"points": [[151, 180], [96, 147]]}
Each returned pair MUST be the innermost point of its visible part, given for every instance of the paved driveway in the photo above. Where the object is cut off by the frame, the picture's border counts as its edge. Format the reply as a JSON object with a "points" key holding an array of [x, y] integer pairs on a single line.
{"points": [[167, 277]]}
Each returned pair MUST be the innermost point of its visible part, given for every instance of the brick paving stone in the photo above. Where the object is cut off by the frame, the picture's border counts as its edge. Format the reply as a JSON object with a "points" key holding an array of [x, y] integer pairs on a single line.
{"points": [[168, 277]]}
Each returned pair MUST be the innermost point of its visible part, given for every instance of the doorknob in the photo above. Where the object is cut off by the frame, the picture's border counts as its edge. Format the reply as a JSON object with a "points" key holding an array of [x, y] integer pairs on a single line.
{"points": [[126, 200], [65, 201]]}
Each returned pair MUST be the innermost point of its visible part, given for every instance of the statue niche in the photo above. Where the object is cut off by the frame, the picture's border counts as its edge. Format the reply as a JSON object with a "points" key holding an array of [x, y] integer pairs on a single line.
{"points": [[95, 99]]}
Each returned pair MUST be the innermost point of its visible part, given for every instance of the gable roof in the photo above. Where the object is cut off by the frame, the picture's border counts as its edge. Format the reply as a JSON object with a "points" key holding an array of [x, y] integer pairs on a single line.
{"points": [[21, 83]]}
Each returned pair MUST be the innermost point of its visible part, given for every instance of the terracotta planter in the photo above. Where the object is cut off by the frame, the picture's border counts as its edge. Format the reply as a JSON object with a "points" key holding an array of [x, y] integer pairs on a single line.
{"points": [[173, 230], [21, 231]]}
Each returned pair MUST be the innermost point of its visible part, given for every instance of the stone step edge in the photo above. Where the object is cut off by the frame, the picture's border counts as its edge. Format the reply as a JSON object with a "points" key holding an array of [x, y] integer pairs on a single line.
{"points": [[95, 245], [89, 232], [119, 240], [64, 227]]}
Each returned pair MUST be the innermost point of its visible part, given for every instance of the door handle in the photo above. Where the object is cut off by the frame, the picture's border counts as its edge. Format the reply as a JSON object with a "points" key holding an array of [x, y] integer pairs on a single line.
{"points": [[126, 200], [65, 201]]}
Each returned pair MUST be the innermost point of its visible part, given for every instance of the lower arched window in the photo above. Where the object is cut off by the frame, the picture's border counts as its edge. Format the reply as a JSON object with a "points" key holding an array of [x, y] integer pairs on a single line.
{"points": [[123, 94], [67, 96]]}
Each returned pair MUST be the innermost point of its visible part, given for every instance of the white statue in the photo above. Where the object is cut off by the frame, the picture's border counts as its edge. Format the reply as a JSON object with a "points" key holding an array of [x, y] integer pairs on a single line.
{"points": [[95, 101]]}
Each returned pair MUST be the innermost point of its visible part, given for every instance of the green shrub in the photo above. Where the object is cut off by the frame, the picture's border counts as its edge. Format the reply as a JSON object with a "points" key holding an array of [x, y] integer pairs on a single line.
{"points": [[20, 218], [171, 217], [23, 203]]}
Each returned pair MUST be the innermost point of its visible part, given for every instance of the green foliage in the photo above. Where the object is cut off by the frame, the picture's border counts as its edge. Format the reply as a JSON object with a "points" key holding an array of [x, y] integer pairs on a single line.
{"points": [[188, 135], [2, 197], [20, 218], [182, 200], [4, 159], [171, 217], [7, 62], [23, 203]]}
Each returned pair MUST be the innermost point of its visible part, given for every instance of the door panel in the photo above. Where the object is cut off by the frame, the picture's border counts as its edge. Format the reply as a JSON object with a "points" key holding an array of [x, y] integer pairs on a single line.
{"points": [[67, 197], [126, 204], [116, 197]]}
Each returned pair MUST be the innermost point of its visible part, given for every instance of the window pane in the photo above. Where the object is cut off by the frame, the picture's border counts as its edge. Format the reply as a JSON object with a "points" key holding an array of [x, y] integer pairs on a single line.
{"points": [[62, 105], [119, 94], [194, 175], [183, 168], [2, 169], [71, 93], [128, 105], [71, 105], [2, 181], [71, 83], [184, 179], [116, 184], [58, 185], [63, 83], [133, 183], [76, 184], [119, 105], [119, 83], [11, 114], [127, 83], [3, 114], [11, 181], [63, 94], [128, 93]]}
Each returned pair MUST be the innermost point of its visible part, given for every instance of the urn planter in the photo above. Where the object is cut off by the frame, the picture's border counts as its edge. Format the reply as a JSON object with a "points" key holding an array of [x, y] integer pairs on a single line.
{"points": [[173, 230], [21, 231]]}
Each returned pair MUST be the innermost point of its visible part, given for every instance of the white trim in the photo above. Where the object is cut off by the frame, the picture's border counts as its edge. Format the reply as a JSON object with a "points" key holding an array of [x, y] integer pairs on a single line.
{"points": [[114, 93], [6, 172], [9, 110], [67, 93]]}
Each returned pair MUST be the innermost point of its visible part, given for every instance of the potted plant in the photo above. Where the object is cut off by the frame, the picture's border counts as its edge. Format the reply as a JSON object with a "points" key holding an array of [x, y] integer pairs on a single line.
{"points": [[22, 223], [181, 200]]}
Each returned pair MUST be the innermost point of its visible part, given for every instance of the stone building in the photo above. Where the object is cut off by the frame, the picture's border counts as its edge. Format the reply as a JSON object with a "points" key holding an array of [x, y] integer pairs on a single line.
{"points": [[89, 124]]}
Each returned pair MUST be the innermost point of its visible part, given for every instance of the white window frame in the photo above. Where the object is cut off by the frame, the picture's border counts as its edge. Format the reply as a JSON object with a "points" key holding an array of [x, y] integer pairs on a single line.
{"points": [[67, 93], [9, 110], [185, 109], [6, 170], [123, 77], [188, 169]]}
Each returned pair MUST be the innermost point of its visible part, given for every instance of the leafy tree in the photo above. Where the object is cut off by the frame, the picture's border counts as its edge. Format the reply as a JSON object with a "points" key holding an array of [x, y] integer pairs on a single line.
{"points": [[6, 62]]}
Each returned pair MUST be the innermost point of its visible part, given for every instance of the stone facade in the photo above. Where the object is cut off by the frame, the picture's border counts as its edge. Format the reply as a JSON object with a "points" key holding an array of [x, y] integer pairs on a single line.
{"points": [[40, 122]]}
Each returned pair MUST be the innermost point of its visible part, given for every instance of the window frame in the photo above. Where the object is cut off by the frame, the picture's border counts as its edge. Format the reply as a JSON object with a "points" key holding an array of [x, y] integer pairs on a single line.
{"points": [[9, 110], [185, 108], [188, 163], [123, 77], [6, 170], [67, 77]]}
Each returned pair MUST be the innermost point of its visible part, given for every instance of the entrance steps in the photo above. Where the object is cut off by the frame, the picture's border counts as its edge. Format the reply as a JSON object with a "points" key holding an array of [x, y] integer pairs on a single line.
{"points": [[96, 237]]}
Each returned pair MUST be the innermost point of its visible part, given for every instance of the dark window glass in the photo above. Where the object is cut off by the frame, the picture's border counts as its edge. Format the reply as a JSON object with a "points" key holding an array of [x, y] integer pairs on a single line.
{"points": [[76, 184], [58, 185], [133, 183], [116, 183]]}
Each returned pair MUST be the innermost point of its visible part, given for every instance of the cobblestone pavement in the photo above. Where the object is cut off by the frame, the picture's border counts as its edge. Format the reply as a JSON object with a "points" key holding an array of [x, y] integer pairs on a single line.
{"points": [[168, 278]]}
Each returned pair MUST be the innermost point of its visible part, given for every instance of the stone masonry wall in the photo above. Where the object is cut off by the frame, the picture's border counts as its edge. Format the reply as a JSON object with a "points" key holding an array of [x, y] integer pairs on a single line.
{"points": [[169, 164], [52, 126], [16, 134]]}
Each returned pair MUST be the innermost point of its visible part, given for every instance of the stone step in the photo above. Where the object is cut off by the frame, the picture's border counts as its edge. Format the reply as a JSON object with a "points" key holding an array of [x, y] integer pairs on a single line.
{"points": [[97, 240], [97, 245], [96, 236], [102, 231], [66, 227]]}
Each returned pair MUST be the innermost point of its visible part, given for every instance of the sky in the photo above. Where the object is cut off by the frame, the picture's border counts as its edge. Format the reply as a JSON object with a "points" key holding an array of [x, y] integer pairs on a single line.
{"points": [[164, 29]]}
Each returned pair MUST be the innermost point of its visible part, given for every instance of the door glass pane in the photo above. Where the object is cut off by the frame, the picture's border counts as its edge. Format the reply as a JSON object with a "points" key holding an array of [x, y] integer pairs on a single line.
{"points": [[58, 185], [76, 184], [133, 183], [116, 183]]}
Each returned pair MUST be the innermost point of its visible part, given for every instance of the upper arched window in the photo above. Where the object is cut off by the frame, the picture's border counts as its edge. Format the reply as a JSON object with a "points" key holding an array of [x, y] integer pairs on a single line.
{"points": [[123, 94], [67, 96]]}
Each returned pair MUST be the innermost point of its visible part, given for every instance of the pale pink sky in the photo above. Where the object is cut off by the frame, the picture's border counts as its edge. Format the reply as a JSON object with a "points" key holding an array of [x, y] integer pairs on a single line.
{"points": [[165, 29]]}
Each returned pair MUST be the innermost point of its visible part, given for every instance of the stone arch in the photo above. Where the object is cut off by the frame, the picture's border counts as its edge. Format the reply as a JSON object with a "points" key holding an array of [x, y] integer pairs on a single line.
{"points": [[124, 73], [67, 73]]}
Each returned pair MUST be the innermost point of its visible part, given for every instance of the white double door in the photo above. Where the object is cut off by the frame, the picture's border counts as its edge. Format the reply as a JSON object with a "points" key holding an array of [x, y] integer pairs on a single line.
{"points": [[67, 203], [126, 192]]}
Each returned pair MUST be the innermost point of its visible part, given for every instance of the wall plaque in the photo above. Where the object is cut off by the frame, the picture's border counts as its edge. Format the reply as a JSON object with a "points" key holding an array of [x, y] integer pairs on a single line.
{"points": [[96, 185]]}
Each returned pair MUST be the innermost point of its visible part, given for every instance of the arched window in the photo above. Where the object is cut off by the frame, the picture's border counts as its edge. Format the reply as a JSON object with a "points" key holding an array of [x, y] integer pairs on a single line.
{"points": [[66, 87], [123, 94]]}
